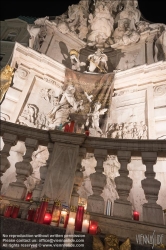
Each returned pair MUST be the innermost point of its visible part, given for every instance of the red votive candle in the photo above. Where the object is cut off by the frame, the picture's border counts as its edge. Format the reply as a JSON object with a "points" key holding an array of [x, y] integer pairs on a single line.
{"points": [[87, 132], [15, 212], [36, 214], [67, 128], [79, 218], [47, 217], [93, 227], [42, 211], [135, 215], [71, 128], [28, 196], [8, 210], [31, 213]]}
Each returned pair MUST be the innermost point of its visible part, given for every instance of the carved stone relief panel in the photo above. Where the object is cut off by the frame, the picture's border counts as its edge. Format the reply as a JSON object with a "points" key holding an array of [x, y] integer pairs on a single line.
{"points": [[40, 102]]}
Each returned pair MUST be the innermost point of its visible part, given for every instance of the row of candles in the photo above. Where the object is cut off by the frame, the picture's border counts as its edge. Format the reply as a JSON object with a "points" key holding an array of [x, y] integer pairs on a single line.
{"points": [[53, 217], [60, 216]]}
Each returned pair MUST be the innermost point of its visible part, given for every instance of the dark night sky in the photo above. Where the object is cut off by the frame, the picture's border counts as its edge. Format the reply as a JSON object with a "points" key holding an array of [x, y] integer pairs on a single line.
{"points": [[152, 10]]}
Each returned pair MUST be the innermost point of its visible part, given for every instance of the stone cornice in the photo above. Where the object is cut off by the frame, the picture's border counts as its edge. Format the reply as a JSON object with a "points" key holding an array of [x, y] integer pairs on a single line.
{"points": [[90, 143]]}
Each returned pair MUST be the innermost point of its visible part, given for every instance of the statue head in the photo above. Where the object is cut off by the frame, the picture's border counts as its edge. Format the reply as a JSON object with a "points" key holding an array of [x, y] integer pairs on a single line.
{"points": [[74, 52], [70, 89]]}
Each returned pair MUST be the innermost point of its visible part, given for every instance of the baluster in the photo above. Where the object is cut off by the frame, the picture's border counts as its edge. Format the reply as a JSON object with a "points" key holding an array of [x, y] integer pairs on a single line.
{"points": [[98, 181], [152, 212], [24, 170], [78, 178], [122, 207], [43, 171], [9, 141]]}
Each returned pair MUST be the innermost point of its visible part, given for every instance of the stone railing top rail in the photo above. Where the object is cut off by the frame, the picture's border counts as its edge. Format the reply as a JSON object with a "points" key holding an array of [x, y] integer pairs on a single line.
{"points": [[90, 143]]}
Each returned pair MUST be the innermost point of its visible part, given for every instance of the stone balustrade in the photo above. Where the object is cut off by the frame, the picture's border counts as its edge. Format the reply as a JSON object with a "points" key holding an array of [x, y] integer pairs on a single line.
{"points": [[62, 176]]}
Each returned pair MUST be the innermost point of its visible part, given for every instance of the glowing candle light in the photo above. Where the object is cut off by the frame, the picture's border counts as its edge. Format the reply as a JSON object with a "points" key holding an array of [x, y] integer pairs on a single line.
{"points": [[72, 216], [93, 227], [28, 196], [62, 218], [56, 211], [47, 217], [85, 223], [135, 215]]}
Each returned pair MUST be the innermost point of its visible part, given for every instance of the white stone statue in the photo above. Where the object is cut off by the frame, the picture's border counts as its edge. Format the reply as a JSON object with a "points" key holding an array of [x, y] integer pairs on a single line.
{"points": [[36, 33], [123, 35], [160, 47], [101, 26], [74, 57], [131, 12], [95, 117], [63, 106], [98, 62], [76, 14]]}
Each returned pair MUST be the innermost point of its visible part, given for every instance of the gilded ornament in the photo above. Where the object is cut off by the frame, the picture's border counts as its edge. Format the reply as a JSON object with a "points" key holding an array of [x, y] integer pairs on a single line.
{"points": [[5, 80]]}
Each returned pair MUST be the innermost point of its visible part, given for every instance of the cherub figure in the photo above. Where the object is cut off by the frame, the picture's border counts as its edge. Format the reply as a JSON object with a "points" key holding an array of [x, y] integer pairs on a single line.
{"points": [[74, 57], [96, 116]]}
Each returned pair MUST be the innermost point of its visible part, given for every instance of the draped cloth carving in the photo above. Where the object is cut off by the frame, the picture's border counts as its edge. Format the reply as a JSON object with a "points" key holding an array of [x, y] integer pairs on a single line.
{"points": [[95, 93]]}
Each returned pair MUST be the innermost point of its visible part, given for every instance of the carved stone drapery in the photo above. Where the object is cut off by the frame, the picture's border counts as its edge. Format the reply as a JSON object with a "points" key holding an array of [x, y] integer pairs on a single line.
{"points": [[9, 141], [43, 172], [78, 178], [122, 207], [152, 212], [98, 181], [23, 170], [61, 171]]}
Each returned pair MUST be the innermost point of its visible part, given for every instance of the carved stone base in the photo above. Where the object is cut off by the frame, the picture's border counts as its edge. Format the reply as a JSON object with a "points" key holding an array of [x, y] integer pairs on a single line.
{"points": [[16, 191], [37, 192], [74, 200], [122, 209], [152, 213], [95, 204]]}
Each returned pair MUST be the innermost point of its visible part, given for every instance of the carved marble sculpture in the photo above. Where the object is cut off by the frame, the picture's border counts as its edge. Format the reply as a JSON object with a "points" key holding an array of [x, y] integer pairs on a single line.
{"points": [[123, 35], [95, 115], [131, 130], [74, 57], [98, 62], [37, 33], [160, 47], [101, 26]]}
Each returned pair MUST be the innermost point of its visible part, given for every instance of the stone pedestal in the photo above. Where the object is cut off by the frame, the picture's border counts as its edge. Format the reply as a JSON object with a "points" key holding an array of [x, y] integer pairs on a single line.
{"points": [[98, 181], [152, 212], [122, 207]]}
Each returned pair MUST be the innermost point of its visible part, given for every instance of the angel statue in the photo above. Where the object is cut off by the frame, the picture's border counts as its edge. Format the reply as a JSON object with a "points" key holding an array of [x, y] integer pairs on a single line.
{"points": [[5, 79], [96, 116], [74, 57]]}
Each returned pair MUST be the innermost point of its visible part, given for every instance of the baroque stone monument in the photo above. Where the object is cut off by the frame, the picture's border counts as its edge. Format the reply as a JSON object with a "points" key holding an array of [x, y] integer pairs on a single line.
{"points": [[103, 67]]}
